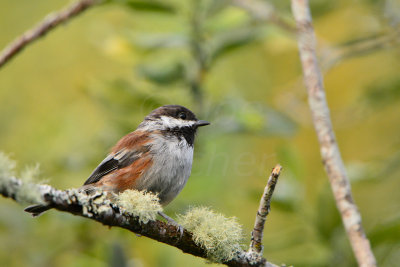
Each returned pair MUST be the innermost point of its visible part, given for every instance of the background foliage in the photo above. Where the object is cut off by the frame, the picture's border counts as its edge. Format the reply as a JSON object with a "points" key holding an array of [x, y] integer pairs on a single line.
{"points": [[70, 96]]}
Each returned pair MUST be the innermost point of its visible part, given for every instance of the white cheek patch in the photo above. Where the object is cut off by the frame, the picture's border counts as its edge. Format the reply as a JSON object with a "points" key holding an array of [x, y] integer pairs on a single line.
{"points": [[164, 123], [169, 122]]}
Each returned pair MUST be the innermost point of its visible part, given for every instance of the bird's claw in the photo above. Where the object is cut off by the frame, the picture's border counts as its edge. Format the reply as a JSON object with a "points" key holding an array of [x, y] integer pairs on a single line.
{"points": [[179, 229], [172, 222]]}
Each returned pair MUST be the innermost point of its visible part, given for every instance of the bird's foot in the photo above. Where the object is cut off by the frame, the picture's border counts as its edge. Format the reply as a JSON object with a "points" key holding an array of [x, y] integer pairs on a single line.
{"points": [[172, 222]]}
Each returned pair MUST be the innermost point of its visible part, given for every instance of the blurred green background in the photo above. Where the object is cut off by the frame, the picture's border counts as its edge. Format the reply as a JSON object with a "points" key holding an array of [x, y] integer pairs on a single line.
{"points": [[67, 98]]}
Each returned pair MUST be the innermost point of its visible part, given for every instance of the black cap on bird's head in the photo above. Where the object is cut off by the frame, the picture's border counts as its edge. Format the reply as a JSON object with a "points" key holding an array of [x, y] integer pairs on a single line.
{"points": [[177, 115]]}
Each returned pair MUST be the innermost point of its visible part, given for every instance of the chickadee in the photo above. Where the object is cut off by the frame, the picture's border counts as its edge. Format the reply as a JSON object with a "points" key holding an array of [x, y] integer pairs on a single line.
{"points": [[156, 157]]}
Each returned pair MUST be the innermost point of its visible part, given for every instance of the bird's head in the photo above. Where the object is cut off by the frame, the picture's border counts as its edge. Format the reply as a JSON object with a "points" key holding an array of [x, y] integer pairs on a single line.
{"points": [[173, 118]]}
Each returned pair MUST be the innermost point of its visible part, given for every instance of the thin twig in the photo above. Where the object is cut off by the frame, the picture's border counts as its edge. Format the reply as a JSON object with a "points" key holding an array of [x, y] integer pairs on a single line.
{"points": [[263, 211], [99, 208], [331, 56], [264, 11], [49, 22], [329, 149]]}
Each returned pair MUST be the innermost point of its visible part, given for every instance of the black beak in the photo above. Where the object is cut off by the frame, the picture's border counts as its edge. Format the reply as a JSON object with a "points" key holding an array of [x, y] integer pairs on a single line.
{"points": [[201, 123]]}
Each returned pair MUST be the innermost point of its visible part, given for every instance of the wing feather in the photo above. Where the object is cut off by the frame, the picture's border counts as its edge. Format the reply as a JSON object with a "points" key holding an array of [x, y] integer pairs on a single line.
{"points": [[129, 149], [108, 165]]}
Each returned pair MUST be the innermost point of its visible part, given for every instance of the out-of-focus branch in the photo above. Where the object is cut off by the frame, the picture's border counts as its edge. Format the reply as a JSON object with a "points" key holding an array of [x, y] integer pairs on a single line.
{"points": [[329, 149], [331, 56], [99, 208], [49, 22], [199, 67], [263, 211], [264, 11]]}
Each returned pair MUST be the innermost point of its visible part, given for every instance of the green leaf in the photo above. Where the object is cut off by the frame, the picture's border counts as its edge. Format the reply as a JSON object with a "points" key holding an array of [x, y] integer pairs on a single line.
{"points": [[157, 41], [163, 74], [228, 42], [148, 6]]}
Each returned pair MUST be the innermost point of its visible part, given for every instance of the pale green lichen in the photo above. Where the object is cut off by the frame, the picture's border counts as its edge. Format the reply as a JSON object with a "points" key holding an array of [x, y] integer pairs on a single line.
{"points": [[28, 192], [24, 191], [219, 235], [31, 173], [7, 168], [142, 204]]}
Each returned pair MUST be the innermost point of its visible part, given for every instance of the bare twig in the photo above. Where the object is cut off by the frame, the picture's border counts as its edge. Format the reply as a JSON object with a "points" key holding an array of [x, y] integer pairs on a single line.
{"points": [[263, 211], [329, 149], [264, 11], [359, 47], [99, 208], [49, 22], [331, 55]]}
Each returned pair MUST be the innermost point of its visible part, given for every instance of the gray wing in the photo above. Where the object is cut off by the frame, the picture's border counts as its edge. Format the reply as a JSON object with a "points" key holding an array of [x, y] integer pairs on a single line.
{"points": [[111, 163]]}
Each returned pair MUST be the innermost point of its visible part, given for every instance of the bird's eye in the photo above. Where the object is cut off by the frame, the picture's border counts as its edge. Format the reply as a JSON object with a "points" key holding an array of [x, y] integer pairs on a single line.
{"points": [[182, 115]]}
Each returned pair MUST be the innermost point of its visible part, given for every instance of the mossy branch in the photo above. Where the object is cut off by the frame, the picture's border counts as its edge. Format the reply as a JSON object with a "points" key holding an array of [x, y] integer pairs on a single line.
{"points": [[100, 208]]}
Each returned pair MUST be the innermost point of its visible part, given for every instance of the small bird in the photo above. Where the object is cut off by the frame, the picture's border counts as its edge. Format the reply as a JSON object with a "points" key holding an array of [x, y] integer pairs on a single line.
{"points": [[156, 157]]}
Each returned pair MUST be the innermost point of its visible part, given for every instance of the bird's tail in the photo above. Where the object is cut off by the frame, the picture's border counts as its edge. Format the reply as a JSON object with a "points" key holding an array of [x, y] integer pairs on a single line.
{"points": [[38, 209]]}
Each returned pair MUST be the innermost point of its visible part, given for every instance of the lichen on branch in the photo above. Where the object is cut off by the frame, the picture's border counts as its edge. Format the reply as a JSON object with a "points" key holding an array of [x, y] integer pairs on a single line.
{"points": [[24, 190], [142, 204], [208, 235], [219, 235]]}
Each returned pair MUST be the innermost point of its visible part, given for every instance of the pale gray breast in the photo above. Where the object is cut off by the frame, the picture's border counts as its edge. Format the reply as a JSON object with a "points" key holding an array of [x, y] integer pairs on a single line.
{"points": [[172, 164]]}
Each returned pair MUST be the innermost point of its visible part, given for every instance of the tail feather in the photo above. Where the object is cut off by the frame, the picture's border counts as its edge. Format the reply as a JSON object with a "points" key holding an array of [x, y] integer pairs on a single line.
{"points": [[36, 210]]}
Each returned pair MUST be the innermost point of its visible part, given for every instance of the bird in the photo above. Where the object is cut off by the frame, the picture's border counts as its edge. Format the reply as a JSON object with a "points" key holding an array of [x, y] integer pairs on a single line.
{"points": [[157, 157]]}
